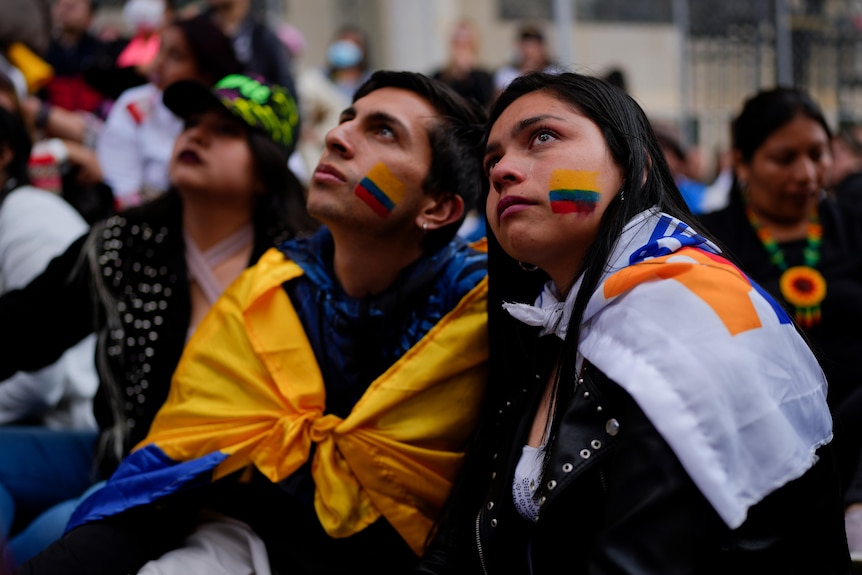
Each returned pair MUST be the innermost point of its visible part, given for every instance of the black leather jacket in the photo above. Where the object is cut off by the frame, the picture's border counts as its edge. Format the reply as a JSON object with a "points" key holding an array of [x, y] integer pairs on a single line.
{"points": [[615, 499]]}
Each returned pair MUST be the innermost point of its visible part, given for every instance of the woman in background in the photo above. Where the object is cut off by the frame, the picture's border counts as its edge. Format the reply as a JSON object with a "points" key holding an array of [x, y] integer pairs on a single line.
{"points": [[805, 249]]}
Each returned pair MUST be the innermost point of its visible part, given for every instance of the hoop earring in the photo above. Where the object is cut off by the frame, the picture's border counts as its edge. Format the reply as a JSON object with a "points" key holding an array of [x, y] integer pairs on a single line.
{"points": [[527, 267]]}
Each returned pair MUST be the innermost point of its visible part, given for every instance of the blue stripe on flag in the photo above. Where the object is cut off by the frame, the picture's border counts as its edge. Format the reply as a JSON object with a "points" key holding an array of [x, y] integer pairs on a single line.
{"points": [[662, 235], [146, 475], [379, 194]]}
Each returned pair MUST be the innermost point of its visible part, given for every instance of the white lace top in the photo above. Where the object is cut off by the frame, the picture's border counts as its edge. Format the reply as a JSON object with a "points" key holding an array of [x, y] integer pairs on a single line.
{"points": [[526, 481]]}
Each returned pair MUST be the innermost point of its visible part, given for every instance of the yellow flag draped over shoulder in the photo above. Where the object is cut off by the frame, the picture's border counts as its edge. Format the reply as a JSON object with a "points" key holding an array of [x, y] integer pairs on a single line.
{"points": [[248, 391]]}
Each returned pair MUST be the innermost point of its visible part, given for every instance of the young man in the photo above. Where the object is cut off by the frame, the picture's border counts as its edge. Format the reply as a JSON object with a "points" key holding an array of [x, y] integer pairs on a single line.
{"points": [[326, 398]]}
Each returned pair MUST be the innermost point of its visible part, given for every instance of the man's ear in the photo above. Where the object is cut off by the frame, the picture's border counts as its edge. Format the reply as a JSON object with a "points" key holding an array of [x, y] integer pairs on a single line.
{"points": [[440, 211]]}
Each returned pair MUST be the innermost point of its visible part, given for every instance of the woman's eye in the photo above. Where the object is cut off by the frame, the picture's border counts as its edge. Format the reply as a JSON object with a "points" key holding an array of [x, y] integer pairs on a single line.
{"points": [[543, 136], [785, 160]]}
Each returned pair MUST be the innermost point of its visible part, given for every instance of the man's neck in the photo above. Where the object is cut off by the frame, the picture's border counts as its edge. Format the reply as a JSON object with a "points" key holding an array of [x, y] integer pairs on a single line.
{"points": [[365, 267]]}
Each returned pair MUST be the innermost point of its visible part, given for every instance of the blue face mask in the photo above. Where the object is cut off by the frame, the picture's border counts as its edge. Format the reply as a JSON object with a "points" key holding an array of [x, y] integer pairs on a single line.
{"points": [[343, 54]]}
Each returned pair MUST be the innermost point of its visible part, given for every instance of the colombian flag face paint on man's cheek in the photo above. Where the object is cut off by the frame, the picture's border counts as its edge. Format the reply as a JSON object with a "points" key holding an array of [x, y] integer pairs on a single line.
{"points": [[381, 190], [573, 192]]}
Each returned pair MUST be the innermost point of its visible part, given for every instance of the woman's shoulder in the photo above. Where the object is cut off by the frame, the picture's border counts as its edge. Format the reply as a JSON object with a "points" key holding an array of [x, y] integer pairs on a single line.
{"points": [[35, 227], [150, 224], [30, 215], [48, 209]]}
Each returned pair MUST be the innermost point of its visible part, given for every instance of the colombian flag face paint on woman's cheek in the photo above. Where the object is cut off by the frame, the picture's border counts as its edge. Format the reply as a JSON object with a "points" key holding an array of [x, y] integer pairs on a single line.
{"points": [[381, 190], [573, 192]]}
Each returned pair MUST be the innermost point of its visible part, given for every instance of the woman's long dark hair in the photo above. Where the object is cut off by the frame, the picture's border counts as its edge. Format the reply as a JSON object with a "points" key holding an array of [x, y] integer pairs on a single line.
{"points": [[647, 184], [279, 212]]}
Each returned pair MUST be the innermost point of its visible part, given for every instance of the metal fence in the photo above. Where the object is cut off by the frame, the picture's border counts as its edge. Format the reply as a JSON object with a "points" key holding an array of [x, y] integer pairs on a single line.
{"points": [[736, 47], [733, 48], [739, 46]]}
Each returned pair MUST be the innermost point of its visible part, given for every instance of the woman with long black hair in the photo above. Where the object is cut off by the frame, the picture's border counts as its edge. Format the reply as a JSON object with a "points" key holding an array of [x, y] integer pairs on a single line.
{"points": [[651, 409]]}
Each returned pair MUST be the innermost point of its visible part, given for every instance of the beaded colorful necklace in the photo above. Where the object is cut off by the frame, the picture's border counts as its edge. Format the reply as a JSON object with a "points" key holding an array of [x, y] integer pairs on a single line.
{"points": [[802, 286]]}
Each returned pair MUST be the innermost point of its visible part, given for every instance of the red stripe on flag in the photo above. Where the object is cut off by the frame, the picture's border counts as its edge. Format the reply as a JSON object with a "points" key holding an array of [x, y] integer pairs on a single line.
{"points": [[372, 202]]}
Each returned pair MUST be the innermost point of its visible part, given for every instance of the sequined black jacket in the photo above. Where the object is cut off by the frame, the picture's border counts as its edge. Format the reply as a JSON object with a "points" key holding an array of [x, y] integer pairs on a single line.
{"points": [[127, 281], [615, 499]]}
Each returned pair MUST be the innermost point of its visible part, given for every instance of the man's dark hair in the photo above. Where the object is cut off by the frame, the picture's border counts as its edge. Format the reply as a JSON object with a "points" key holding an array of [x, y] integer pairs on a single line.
{"points": [[455, 141]]}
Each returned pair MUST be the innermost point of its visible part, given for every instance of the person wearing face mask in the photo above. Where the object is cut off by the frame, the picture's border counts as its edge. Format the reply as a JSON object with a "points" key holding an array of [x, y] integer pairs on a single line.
{"points": [[799, 244], [347, 60]]}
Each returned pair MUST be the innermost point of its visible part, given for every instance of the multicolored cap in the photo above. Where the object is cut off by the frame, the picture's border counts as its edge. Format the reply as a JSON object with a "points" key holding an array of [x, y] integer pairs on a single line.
{"points": [[267, 107]]}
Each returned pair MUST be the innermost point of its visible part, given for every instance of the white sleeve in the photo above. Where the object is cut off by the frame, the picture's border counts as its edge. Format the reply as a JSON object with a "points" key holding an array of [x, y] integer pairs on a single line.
{"points": [[36, 226], [119, 149], [60, 394]]}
